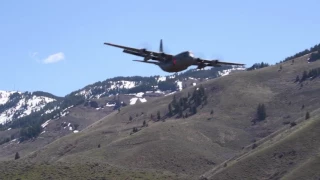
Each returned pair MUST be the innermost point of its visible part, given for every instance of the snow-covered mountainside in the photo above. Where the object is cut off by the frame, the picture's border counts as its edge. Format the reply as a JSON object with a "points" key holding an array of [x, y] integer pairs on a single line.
{"points": [[14, 105], [33, 111], [157, 84]]}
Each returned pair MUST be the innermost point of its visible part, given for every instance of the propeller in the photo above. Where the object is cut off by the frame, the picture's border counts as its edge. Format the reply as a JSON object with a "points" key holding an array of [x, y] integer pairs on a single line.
{"points": [[146, 47]]}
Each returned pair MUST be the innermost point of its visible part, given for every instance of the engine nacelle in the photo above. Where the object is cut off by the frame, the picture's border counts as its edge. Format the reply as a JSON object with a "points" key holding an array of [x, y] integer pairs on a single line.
{"points": [[214, 63], [201, 66], [143, 51]]}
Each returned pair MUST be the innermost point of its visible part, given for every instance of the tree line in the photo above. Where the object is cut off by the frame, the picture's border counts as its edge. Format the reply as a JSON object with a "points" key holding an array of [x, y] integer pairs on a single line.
{"points": [[311, 74], [258, 66], [314, 57], [191, 102], [302, 53]]}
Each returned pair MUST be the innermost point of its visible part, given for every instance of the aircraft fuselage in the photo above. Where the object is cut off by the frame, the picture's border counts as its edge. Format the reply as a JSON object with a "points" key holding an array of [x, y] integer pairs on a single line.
{"points": [[178, 63]]}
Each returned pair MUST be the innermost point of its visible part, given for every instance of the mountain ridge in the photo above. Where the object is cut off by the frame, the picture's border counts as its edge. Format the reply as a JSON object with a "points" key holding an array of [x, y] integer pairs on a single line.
{"points": [[143, 138], [32, 121], [180, 134]]}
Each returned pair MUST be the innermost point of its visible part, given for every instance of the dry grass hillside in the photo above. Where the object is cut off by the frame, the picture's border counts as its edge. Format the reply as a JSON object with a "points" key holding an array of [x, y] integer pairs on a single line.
{"points": [[292, 154], [186, 147]]}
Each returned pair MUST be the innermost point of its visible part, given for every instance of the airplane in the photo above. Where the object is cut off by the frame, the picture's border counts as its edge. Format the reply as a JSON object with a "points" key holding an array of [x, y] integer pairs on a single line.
{"points": [[171, 63]]}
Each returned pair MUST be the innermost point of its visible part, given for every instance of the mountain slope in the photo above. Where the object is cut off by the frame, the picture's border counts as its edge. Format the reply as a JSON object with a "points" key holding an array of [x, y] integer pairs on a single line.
{"points": [[190, 146], [14, 105], [293, 154], [77, 110]]}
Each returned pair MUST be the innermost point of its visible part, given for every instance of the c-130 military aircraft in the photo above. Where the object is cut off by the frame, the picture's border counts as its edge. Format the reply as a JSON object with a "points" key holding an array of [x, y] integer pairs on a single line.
{"points": [[169, 62]]}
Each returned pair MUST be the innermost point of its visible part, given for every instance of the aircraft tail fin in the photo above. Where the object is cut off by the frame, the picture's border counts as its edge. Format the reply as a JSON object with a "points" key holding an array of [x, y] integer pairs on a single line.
{"points": [[161, 46]]}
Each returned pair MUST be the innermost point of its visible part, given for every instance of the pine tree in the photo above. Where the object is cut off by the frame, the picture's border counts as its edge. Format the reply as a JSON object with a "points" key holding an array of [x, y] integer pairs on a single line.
{"points": [[158, 115], [194, 110], [261, 112], [307, 115], [304, 75], [170, 109], [17, 156]]}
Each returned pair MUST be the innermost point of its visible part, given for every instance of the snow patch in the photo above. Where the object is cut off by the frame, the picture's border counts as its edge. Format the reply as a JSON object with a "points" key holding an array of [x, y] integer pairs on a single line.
{"points": [[140, 94], [179, 84], [4, 96], [143, 100], [110, 105], [45, 124], [161, 78], [133, 100]]}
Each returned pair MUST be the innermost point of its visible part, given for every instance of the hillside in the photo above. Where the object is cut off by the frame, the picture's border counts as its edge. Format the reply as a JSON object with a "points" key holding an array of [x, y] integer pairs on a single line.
{"points": [[292, 154], [34, 119], [136, 143]]}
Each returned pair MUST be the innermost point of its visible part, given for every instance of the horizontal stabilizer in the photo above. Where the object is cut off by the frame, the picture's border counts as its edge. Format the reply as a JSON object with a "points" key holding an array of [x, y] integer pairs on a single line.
{"points": [[150, 62]]}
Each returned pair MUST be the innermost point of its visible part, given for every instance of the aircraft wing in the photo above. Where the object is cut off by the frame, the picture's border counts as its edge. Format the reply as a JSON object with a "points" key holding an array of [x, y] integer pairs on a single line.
{"points": [[216, 62], [135, 51]]}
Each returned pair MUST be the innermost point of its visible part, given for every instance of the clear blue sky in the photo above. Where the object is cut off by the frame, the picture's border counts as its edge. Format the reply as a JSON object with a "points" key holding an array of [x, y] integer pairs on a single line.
{"points": [[70, 34]]}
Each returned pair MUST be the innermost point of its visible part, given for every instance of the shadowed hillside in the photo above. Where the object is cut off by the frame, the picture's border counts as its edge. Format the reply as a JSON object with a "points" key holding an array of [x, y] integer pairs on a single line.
{"points": [[142, 138]]}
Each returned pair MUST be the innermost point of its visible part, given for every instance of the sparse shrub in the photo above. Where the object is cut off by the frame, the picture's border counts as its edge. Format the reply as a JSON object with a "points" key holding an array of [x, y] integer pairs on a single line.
{"points": [[292, 124], [76, 126], [211, 112], [297, 79], [307, 115], [286, 122], [17, 156], [130, 118], [135, 130], [302, 107], [99, 145], [254, 146]]}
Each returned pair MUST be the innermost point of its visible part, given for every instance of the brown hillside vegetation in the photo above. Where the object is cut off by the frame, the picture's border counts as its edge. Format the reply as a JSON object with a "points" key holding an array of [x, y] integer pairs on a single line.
{"points": [[190, 147], [292, 154]]}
